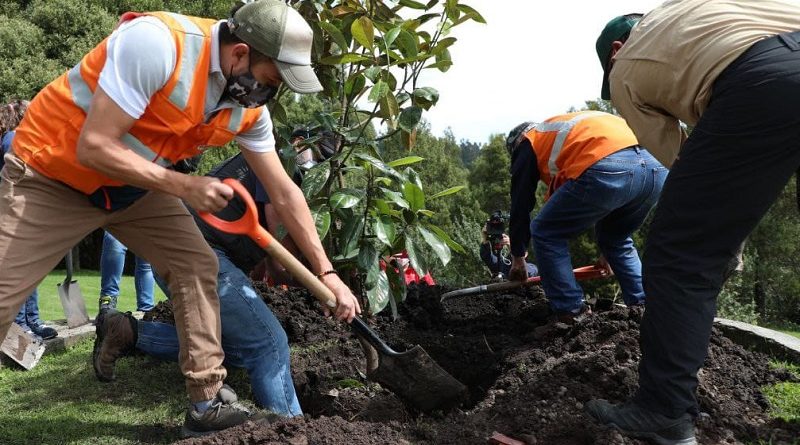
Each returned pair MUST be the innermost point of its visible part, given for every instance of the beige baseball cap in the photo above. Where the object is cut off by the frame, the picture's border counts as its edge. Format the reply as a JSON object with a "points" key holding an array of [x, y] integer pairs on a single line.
{"points": [[279, 32]]}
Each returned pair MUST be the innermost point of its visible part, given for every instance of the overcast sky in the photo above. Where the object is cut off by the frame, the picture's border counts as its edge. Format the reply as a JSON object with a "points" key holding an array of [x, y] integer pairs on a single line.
{"points": [[530, 61]]}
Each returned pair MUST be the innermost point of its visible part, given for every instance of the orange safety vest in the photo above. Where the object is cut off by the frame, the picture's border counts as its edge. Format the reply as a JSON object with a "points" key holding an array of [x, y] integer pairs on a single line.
{"points": [[565, 146], [172, 127]]}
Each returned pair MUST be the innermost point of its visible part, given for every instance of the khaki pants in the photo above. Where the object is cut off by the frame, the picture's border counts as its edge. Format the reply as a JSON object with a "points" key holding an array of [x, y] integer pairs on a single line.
{"points": [[41, 219]]}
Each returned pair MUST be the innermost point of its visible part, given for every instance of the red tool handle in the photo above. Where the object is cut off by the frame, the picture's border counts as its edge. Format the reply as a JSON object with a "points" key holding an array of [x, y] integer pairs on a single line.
{"points": [[247, 224]]}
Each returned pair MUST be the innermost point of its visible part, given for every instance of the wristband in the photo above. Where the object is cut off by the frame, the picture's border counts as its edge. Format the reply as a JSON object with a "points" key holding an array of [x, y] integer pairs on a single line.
{"points": [[327, 272]]}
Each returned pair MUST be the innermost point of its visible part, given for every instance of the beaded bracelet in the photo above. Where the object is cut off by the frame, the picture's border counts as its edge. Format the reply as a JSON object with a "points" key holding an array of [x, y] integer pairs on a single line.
{"points": [[327, 272]]}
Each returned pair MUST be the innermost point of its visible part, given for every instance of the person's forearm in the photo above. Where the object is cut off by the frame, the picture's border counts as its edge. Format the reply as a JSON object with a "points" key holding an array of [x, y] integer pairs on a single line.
{"points": [[292, 209], [114, 159]]}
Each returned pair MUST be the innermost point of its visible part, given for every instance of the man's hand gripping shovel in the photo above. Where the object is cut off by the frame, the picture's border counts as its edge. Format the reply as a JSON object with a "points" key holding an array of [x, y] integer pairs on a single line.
{"points": [[413, 375]]}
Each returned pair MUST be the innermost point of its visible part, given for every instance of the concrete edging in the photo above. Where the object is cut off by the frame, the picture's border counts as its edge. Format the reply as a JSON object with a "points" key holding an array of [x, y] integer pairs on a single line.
{"points": [[773, 343]]}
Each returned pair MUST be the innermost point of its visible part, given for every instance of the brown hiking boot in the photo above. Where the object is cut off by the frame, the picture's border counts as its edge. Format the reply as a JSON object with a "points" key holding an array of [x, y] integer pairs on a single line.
{"points": [[561, 323], [115, 337], [225, 411]]}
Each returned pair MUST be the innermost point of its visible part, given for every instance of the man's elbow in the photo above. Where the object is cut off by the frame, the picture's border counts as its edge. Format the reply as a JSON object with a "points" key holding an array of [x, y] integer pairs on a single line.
{"points": [[88, 150]]}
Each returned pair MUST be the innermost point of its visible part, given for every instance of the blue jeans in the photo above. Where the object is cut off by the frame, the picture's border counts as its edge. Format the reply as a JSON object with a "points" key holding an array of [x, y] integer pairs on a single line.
{"points": [[29, 312], [614, 195], [252, 338], [112, 262]]}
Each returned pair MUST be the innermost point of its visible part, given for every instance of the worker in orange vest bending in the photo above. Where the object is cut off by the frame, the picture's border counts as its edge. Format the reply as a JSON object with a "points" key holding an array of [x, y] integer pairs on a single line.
{"points": [[597, 176], [94, 151]]}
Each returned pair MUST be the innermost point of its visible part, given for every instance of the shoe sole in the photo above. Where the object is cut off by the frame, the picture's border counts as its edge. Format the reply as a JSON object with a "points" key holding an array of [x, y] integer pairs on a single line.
{"points": [[186, 433], [654, 436]]}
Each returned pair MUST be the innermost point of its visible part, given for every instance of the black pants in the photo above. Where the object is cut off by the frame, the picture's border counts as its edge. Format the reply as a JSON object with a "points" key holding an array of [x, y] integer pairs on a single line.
{"points": [[737, 160]]}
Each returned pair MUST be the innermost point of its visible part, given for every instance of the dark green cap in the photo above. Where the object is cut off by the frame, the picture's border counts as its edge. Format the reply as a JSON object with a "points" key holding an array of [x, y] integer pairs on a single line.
{"points": [[614, 30]]}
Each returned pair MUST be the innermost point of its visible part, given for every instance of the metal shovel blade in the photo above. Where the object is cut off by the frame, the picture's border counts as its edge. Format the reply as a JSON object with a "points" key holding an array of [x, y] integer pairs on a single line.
{"points": [[412, 375], [418, 380], [72, 299]]}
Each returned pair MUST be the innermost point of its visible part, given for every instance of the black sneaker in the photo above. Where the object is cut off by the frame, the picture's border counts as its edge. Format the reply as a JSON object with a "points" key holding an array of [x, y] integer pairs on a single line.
{"points": [[225, 411], [116, 334], [44, 331], [634, 421]]}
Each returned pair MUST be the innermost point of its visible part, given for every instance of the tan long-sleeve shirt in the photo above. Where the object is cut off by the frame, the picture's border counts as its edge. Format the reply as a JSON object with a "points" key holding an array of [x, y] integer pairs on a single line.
{"points": [[666, 70]]}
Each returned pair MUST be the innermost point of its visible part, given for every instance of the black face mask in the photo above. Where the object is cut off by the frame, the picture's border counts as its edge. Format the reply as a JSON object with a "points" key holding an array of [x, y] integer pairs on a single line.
{"points": [[247, 91]]}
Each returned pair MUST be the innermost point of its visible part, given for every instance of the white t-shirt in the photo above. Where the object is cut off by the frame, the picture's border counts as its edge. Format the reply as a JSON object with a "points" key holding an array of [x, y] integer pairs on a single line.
{"points": [[140, 60]]}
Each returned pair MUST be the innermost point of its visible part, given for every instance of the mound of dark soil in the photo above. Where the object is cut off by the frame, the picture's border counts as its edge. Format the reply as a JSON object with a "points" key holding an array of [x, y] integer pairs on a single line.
{"points": [[527, 388]]}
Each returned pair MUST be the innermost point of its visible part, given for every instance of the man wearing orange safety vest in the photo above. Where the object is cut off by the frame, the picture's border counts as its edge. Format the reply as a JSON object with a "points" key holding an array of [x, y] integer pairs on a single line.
{"points": [[597, 176], [94, 151]]}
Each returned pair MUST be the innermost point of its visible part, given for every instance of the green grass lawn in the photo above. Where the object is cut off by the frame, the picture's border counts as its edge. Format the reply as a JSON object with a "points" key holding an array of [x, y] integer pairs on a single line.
{"points": [[89, 282], [61, 402]]}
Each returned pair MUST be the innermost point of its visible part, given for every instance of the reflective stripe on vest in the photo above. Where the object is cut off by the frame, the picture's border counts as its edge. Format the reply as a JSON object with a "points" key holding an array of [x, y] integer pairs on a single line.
{"points": [[193, 45], [563, 128], [237, 113], [82, 96]]}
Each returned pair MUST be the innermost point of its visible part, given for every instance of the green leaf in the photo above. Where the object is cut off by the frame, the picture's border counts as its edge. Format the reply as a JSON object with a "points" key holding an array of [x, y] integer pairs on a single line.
{"points": [[373, 73], [341, 59], [383, 208], [346, 198], [439, 246], [451, 9], [378, 296], [443, 61], [407, 44], [405, 161], [425, 97], [397, 288], [315, 179], [412, 175], [380, 165], [363, 31], [409, 118], [444, 236], [390, 36], [442, 66], [414, 195], [379, 90], [322, 220], [412, 4], [385, 230], [472, 13], [389, 109], [449, 191], [417, 262], [351, 233], [443, 44], [354, 85], [426, 212], [367, 256], [396, 198], [336, 35]]}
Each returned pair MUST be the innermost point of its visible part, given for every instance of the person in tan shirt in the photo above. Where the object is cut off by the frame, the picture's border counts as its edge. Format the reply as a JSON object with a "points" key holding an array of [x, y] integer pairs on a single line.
{"points": [[731, 70]]}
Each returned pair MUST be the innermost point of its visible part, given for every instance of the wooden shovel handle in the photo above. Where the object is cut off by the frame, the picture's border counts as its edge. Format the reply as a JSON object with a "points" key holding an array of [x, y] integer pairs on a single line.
{"points": [[248, 225]]}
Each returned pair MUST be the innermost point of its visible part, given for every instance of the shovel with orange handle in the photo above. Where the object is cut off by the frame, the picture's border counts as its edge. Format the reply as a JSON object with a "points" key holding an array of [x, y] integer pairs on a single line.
{"points": [[413, 375]]}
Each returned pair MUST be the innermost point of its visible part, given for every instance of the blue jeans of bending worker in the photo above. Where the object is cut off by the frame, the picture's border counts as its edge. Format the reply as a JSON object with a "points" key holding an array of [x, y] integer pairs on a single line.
{"points": [[112, 262], [29, 312], [614, 196], [252, 338]]}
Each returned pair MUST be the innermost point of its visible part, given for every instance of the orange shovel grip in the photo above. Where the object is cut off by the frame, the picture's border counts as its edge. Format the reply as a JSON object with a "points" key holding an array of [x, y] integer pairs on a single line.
{"points": [[247, 224]]}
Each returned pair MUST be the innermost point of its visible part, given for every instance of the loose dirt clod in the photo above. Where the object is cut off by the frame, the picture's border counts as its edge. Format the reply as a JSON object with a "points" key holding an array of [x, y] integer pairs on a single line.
{"points": [[531, 390]]}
